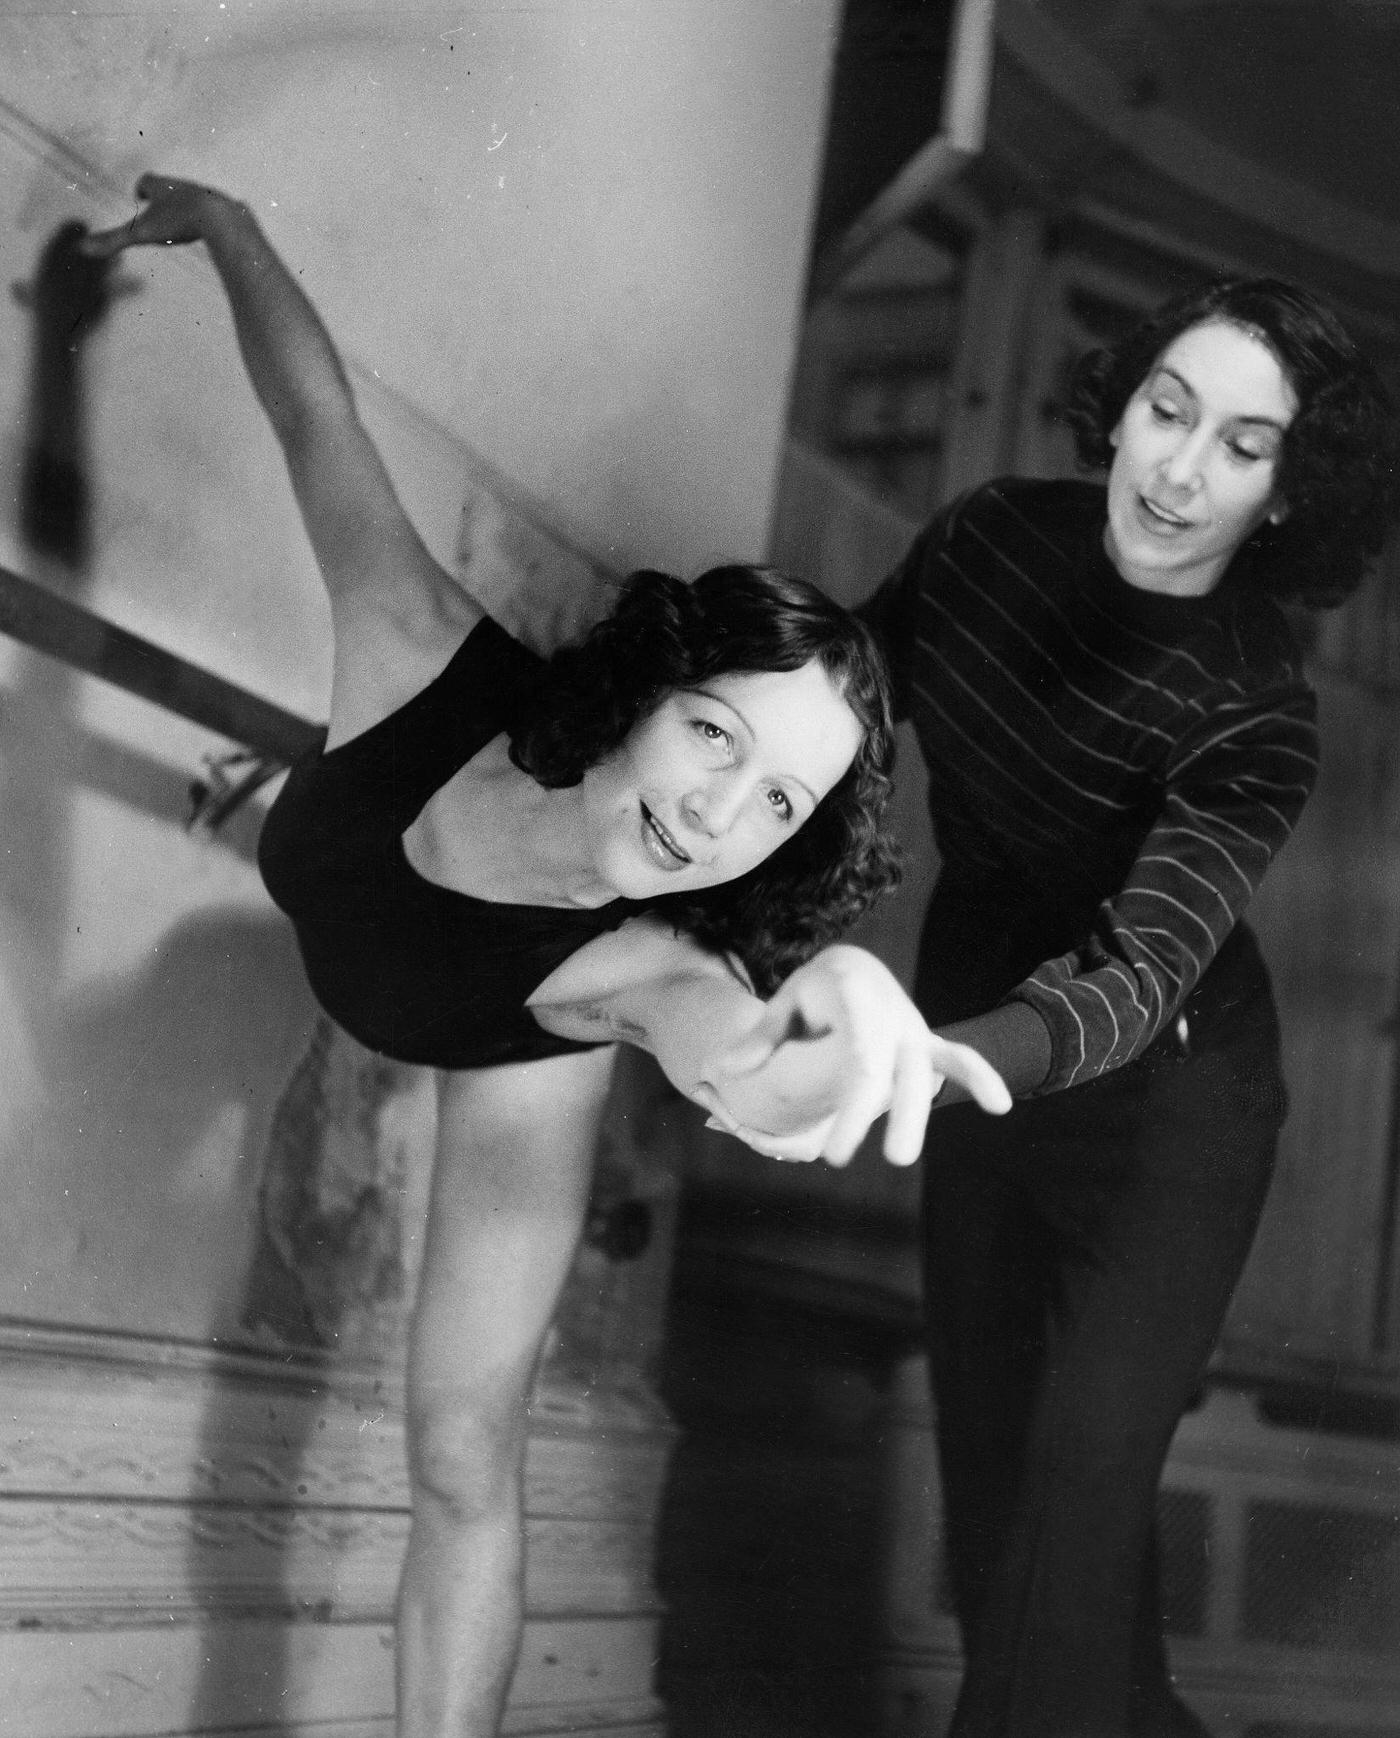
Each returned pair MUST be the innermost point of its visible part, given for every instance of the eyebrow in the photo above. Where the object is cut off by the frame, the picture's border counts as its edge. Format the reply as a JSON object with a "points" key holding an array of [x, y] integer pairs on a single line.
{"points": [[787, 777], [1279, 428]]}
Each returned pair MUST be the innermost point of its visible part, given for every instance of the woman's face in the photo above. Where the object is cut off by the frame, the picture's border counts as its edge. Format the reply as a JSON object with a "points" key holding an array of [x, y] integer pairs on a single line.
{"points": [[716, 779], [1195, 461]]}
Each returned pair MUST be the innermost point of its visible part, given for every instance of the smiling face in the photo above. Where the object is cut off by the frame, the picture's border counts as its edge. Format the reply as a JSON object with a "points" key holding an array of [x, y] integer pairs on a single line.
{"points": [[716, 779], [1195, 462]]}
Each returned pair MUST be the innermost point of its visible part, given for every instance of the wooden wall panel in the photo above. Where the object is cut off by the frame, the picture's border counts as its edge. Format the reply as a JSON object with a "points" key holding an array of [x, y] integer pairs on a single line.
{"points": [[192, 1539]]}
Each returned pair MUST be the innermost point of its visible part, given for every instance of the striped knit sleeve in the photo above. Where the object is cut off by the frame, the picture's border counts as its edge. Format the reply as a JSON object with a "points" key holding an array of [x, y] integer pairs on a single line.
{"points": [[1233, 794]]}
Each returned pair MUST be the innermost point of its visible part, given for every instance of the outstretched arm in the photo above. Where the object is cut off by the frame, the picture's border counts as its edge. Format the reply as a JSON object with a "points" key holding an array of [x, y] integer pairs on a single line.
{"points": [[366, 546], [803, 1076]]}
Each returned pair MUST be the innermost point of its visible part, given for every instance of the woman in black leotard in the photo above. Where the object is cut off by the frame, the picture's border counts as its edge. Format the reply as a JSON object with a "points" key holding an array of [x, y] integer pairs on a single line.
{"points": [[419, 968], [613, 844]]}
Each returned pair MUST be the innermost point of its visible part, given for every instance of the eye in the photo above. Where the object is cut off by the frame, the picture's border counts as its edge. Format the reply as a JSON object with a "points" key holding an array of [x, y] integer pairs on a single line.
{"points": [[1163, 410], [1248, 453], [778, 801], [711, 732]]}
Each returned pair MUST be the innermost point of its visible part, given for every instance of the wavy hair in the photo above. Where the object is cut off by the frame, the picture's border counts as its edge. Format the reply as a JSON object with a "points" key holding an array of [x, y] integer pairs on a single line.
{"points": [[666, 635], [1339, 469]]}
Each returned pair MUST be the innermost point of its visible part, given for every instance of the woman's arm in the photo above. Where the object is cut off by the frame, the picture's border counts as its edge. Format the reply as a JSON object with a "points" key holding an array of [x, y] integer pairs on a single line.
{"points": [[366, 546], [803, 1076], [1234, 791]]}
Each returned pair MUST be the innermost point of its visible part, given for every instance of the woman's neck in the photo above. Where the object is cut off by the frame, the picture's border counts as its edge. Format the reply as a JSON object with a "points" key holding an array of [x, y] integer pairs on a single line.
{"points": [[493, 832], [549, 847]]}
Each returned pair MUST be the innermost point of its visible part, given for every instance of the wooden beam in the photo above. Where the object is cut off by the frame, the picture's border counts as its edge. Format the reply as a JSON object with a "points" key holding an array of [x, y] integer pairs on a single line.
{"points": [[40, 618]]}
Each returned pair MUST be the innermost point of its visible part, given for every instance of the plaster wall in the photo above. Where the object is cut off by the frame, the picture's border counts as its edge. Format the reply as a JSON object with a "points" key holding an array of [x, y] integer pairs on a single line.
{"points": [[562, 246]]}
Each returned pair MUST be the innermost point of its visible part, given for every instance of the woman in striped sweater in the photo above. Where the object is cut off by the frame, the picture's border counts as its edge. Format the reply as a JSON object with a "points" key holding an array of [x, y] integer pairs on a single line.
{"points": [[1119, 737]]}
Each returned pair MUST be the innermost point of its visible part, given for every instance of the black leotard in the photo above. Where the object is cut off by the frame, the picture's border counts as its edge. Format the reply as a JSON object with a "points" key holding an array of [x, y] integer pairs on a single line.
{"points": [[410, 968]]}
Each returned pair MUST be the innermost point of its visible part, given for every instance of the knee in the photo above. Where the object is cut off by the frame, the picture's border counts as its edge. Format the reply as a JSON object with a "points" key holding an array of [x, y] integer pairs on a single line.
{"points": [[465, 1454]]}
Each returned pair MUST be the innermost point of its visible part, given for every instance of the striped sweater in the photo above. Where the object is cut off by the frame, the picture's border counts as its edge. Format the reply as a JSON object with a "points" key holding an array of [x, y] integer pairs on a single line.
{"points": [[1111, 770]]}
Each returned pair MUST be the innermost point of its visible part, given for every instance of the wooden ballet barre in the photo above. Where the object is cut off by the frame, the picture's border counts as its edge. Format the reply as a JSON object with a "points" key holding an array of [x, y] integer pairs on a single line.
{"points": [[40, 618]]}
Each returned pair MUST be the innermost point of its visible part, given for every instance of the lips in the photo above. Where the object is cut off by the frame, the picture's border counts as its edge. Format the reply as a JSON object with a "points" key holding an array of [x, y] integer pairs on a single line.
{"points": [[659, 845], [1160, 518]]}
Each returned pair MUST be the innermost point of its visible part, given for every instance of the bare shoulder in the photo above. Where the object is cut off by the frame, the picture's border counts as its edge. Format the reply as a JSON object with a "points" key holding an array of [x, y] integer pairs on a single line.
{"points": [[390, 641]]}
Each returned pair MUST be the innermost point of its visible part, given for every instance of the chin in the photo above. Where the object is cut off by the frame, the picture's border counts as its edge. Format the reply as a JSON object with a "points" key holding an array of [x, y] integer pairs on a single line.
{"points": [[630, 880], [636, 885]]}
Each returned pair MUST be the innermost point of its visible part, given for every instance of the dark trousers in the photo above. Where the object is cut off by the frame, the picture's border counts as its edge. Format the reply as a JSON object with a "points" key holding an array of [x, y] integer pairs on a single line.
{"points": [[1080, 1255]]}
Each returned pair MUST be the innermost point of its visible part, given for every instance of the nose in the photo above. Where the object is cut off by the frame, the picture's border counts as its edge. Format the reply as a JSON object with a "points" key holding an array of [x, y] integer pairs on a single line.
{"points": [[713, 806], [1182, 467]]}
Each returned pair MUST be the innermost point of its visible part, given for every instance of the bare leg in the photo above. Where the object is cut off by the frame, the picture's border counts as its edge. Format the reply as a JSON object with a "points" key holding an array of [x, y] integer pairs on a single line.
{"points": [[510, 1188]]}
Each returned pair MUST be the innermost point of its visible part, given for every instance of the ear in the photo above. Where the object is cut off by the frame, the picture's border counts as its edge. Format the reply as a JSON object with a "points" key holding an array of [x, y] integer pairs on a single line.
{"points": [[1115, 434]]}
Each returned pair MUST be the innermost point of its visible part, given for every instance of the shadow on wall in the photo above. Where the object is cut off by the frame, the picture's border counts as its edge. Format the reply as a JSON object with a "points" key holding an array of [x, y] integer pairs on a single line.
{"points": [[158, 1117], [149, 1088], [68, 298]]}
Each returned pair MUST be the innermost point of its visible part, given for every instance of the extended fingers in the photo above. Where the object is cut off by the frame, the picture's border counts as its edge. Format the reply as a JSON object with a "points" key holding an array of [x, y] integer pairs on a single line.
{"points": [[921, 1063], [885, 1045], [969, 1068], [916, 1083], [866, 1096]]}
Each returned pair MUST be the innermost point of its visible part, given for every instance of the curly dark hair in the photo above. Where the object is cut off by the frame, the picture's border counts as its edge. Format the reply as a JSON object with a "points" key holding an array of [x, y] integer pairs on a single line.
{"points": [[1339, 470], [667, 635]]}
